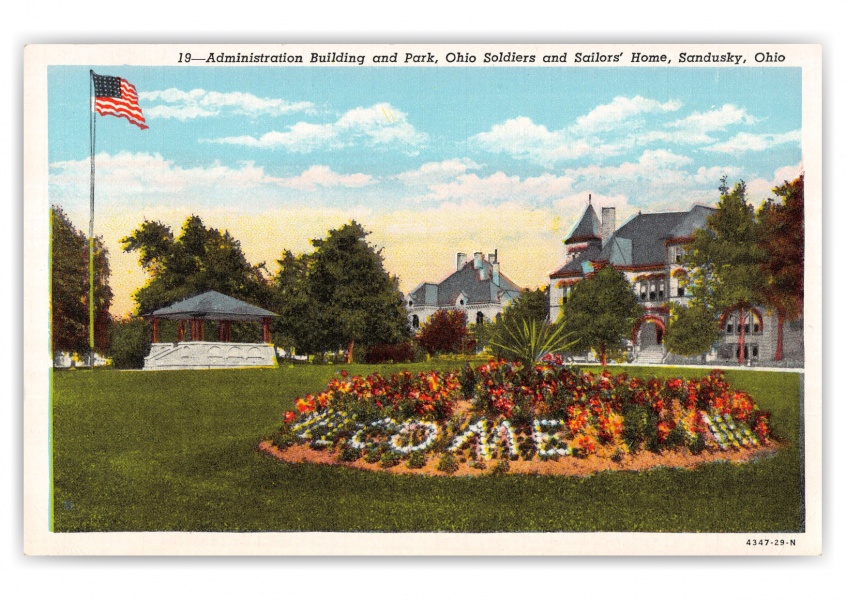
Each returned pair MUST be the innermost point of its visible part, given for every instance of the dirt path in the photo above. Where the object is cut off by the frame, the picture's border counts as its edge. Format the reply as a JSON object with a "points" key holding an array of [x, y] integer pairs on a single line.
{"points": [[579, 467]]}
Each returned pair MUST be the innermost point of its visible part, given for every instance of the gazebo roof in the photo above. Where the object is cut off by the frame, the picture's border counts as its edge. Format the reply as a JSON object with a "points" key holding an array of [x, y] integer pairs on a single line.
{"points": [[212, 306]]}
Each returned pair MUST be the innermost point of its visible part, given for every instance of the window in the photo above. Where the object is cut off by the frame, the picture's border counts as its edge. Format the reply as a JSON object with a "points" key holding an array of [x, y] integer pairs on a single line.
{"points": [[480, 318], [410, 303], [729, 327], [661, 291], [415, 321], [681, 291], [643, 291]]}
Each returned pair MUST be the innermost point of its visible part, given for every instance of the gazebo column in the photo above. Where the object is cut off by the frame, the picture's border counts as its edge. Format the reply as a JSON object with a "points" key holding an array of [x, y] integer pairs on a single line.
{"points": [[265, 330], [155, 323], [196, 330], [224, 331]]}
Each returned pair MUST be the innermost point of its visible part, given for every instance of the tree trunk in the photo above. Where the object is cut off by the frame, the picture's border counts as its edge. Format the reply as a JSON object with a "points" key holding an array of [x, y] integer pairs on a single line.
{"points": [[741, 355], [350, 352], [603, 357], [779, 353]]}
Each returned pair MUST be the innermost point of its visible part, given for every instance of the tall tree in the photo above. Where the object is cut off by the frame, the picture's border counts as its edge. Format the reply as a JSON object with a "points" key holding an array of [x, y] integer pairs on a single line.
{"points": [[69, 287], [781, 236], [601, 313], [200, 259], [294, 327], [725, 259], [353, 299]]}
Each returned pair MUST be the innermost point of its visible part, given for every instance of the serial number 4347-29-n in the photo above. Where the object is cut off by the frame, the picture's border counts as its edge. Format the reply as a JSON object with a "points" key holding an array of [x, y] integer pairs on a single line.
{"points": [[770, 542]]}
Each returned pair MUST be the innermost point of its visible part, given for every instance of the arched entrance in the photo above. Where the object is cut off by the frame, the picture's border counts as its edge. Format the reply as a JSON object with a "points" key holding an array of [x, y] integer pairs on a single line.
{"points": [[649, 331]]}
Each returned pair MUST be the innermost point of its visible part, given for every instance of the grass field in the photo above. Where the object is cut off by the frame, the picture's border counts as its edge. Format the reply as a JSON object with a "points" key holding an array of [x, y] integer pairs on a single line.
{"points": [[176, 451]]}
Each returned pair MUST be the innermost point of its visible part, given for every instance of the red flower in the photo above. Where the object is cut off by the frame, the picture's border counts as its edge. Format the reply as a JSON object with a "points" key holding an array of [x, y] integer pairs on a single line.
{"points": [[289, 416]]}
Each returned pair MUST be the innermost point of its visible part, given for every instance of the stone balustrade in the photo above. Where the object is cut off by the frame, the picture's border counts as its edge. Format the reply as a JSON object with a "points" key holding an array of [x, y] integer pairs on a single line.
{"points": [[208, 355]]}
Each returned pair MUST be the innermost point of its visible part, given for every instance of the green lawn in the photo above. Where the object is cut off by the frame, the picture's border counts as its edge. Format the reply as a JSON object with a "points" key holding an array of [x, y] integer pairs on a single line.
{"points": [[176, 451]]}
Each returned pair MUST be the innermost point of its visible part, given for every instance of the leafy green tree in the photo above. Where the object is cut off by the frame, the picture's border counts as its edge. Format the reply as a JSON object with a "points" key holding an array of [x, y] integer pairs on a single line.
{"points": [[70, 286], [725, 259], [200, 259], [692, 329], [344, 298], [294, 327], [601, 313], [130, 343], [530, 305], [781, 236], [445, 331]]}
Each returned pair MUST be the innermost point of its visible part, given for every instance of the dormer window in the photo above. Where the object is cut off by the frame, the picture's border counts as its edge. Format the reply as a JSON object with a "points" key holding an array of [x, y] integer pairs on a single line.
{"points": [[410, 303]]}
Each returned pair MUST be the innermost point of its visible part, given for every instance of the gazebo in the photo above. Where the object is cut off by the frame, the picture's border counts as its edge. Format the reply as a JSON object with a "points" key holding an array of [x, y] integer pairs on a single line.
{"points": [[199, 354]]}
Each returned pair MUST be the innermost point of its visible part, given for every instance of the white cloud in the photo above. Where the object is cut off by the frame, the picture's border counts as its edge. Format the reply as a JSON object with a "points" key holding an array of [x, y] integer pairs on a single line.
{"points": [[141, 179], [616, 113], [435, 172], [754, 142], [322, 176], [759, 189], [658, 180], [714, 120], [174, 103], [377, 125], [523, 139], [501, 187]]}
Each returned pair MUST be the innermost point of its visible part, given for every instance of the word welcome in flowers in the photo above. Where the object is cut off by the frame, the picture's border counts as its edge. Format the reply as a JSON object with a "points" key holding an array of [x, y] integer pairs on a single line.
{"points": [[513, 412], [486, 438]]}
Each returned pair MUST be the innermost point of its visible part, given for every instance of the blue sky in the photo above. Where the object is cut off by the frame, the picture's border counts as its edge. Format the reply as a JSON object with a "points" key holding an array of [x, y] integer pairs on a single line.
{"points": [[432, 160]]}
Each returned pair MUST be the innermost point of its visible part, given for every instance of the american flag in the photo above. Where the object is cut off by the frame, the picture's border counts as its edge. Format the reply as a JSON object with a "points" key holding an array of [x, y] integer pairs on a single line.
{"points": [[117, 97]]}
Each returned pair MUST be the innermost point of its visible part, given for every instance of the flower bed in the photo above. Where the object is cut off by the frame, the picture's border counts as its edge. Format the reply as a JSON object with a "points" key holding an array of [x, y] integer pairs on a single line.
{"points": [[517, 414]]}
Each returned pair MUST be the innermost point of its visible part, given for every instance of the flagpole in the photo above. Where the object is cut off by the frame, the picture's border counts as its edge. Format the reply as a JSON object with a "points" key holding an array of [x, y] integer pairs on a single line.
{"points": [[92, 131]]}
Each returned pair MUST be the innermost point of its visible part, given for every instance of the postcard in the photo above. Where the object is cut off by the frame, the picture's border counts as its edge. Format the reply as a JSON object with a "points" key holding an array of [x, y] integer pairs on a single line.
{"points": [[423, 299]]}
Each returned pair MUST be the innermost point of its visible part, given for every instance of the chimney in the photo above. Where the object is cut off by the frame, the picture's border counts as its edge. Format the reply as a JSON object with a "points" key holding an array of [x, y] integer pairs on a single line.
{"points": [[460, 259], [495, 273], [491, 258], [477, 260], [609, 224]]}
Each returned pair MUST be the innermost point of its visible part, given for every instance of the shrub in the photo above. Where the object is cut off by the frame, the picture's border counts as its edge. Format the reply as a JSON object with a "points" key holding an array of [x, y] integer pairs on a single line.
{"points": [[446, 331], [130, 343], [373, 455], [501, 467], [350, 454], [447, 463], [389, 459], [529, 341], [390, 353], [417, 460]]}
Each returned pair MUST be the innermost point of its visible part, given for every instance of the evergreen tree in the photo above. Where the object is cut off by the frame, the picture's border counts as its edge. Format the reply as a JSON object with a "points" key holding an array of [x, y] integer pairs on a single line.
{"points": [[293, 328], [725, 260], [601, 313], [70, 287], [782, 237], [344, 298]]}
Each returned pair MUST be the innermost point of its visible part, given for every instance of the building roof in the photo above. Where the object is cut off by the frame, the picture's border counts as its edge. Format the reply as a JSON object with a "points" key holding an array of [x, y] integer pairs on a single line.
{"points": [[586, 229], [640, 242], [575, 266], [212, 306], [476, 284]]}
